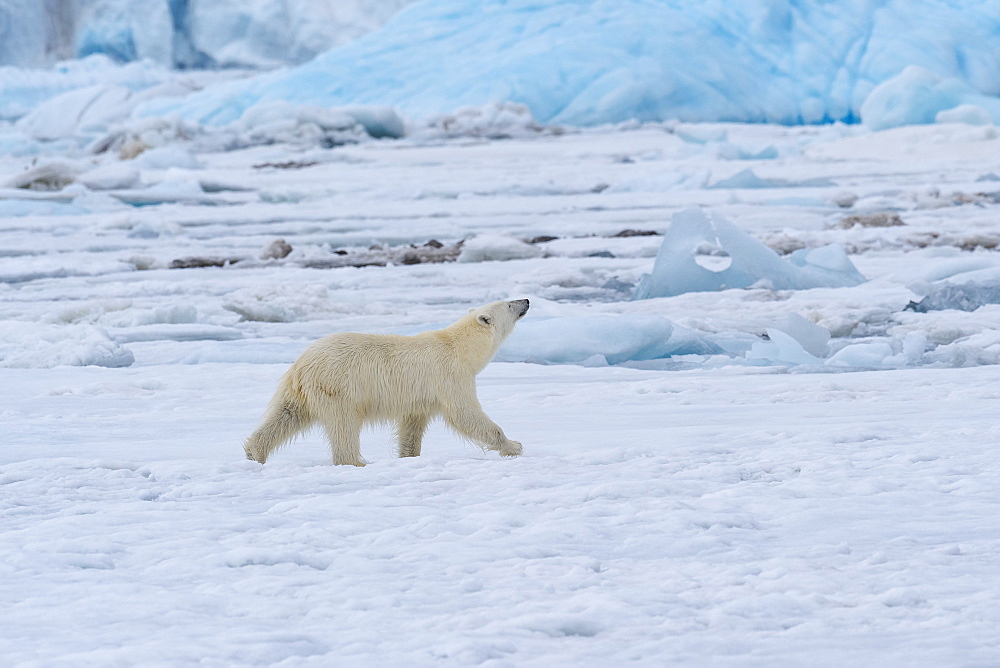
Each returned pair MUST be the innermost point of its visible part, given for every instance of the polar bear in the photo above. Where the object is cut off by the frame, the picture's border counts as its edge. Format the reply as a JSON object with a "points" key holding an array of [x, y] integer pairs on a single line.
{"points": [[345, 381]]}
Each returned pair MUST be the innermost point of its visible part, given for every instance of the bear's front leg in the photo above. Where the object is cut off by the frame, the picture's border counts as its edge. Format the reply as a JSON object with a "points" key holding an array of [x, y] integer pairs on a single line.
{"points": [[511, 449], [473, 423], [410, 432]]}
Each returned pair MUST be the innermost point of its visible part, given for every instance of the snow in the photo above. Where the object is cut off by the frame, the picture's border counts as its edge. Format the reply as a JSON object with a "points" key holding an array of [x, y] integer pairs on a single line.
{"points": [[809, 526], [757, 474], [497, 247]]}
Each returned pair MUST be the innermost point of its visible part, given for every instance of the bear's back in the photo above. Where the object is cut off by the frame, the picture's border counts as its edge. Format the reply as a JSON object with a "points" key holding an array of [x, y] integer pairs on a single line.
{"points": [[381, 375]]}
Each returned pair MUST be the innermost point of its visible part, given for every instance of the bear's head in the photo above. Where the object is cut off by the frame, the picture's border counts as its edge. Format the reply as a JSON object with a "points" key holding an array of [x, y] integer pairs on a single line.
{"points": [[499, 318], [476, 337]]}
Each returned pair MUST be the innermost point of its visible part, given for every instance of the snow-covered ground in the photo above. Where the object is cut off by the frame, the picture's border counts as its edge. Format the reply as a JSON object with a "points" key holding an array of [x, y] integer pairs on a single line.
{"points": [[725, 477]]}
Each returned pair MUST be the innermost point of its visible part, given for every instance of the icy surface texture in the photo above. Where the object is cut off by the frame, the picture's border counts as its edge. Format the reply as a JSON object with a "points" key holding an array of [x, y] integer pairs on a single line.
{"points": [[184, 33], [693, 234], [586, 62]]}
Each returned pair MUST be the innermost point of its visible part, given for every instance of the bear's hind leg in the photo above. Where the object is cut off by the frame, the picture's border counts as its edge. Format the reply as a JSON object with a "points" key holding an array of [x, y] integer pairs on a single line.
{"points": [[283, 422], [345, 442], [411, 434]]}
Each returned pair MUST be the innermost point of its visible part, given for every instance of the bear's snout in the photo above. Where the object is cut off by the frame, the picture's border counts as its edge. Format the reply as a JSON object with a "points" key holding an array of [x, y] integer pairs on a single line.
{"points": [[520, 306]]}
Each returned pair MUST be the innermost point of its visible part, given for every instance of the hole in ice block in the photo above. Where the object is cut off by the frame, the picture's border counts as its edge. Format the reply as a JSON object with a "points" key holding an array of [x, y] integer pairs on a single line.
{"points": [[713, 258]]}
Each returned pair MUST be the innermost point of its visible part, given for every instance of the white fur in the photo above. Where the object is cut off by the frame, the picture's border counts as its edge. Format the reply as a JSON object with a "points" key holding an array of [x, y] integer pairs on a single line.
{"points": [[346, 381]]}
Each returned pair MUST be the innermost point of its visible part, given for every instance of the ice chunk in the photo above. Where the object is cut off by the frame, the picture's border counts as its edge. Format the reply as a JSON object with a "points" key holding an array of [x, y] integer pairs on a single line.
{"points": [[812, 337], [600, 340], [44, 346], [962, 284], [494, 120], [111, 176], [890, 354], [24, 90], [279, 303], [914, 345], [54, 175], [970, 114], [377, 120], [862, 355], [782, 348], [86, 109], [748, 179], [978, 349], [497, 247], [916, 96], [278, 120], [826, 266], [960, 297], [677, 271]]}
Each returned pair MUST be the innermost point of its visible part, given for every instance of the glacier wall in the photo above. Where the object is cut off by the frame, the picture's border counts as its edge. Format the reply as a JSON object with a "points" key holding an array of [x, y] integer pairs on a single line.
{"points": [[184, 33], [585, 62], [572, 62]]}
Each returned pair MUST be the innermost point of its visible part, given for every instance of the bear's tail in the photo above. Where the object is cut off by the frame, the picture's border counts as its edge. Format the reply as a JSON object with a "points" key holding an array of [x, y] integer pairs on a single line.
{"points": [[286, 418]]}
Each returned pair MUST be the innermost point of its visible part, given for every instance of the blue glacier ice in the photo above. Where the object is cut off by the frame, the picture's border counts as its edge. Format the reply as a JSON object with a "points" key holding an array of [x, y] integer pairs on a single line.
{"points": [[692, 233], [585, 62], [184, 33]]}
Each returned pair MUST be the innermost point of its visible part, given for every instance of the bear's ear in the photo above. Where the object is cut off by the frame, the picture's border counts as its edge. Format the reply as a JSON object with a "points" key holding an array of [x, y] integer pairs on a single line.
{"points": [[484, 319]]}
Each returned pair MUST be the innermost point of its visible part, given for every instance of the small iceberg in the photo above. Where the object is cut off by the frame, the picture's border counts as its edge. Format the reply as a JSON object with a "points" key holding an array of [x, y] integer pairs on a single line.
{"points": [[692, 233]]}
